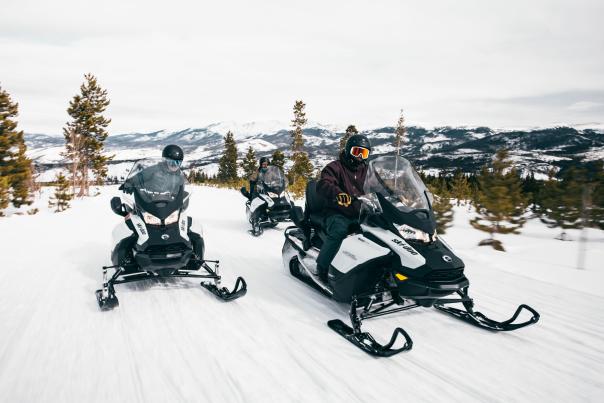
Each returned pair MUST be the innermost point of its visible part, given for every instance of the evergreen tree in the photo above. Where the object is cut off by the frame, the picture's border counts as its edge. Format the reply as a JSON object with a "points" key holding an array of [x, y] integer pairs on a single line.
{"points": [[86, 133], [460, 187], [500, 203], [278, 159], [443, 209], [400, 133], [248, 164], [302, 169], [561, 201], [596, 216], [227, 165], [531, 187], [4, 194], [15, 167], [350, 130], [62, 196]]}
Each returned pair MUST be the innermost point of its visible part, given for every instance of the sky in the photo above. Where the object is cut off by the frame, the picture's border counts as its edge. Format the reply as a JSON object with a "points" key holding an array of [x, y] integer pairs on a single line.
{"points": [[174, 65]]}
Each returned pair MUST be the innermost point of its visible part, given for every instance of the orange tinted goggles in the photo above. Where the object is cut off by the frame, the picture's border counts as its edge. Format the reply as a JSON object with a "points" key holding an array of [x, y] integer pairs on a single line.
{"points": [[359, 152]]}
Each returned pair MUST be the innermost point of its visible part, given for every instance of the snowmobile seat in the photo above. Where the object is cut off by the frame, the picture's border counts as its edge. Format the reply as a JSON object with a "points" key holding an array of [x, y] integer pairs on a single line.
{"points": [[315, 206]]}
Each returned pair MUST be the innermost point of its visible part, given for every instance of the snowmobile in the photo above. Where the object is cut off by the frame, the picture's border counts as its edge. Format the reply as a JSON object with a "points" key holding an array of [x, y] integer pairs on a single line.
{"points": [[391, 261], [157, 239], [271, 204]]}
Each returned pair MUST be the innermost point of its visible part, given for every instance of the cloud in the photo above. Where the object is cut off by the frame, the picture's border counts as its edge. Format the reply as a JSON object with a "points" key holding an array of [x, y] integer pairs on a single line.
{"points": [[181, 64]]}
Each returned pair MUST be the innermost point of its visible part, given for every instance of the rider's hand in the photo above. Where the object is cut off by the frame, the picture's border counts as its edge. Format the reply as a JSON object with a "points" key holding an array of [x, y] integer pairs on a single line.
{"points": [[126, 188], [344, 199]]}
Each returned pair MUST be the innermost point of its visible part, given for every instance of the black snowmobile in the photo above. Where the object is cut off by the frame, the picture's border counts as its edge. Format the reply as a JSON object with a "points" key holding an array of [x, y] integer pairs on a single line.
{"points": [[271, 204], [157, 239], [392, 261]]}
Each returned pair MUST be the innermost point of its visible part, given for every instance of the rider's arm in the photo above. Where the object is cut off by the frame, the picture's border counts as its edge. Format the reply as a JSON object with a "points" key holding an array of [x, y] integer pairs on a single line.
{"points": [[328, 186]]}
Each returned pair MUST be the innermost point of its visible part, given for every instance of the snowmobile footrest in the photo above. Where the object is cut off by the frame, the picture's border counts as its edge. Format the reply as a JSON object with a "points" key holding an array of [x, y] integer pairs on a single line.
{"points": [[480, 320], [223, 293], [367, 343], [108, 303]]}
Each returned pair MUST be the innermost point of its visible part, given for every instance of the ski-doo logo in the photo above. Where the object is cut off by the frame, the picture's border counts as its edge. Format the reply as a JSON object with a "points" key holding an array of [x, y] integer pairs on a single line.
{"points": [[141, 228], [165, 237], [447, 258], [404, 246]]}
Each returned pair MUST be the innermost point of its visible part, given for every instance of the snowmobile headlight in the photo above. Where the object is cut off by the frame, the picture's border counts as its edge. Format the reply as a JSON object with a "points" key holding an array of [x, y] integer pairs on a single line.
{"points": [[151, 219], [273, 195], [172, 218], [408, 232]]}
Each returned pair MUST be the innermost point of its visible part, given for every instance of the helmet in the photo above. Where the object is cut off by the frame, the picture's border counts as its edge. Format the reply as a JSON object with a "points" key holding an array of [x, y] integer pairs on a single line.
{"points": [[173, 152], [356, 140]]}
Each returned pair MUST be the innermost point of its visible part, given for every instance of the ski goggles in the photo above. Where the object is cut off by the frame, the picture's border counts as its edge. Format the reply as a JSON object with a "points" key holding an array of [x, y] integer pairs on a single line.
{"points": [[359, 152], [173, 163]]}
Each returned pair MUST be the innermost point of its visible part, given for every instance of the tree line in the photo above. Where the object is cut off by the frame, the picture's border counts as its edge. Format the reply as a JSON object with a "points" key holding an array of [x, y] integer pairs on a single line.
{"points": [[84, 134]]}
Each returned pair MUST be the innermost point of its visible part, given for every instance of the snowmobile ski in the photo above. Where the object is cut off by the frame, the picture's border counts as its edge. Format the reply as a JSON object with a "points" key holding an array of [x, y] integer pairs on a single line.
{"points": [[480, 320], [223, 293], [367, 343]]}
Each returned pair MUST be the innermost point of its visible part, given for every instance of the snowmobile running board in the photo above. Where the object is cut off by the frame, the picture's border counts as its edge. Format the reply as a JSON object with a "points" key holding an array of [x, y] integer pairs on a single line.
{"points": [[107, 299], [480, 320]]}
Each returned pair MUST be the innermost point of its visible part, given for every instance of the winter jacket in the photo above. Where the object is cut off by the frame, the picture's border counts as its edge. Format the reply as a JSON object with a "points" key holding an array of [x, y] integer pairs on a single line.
{"points": [[341, 177]]}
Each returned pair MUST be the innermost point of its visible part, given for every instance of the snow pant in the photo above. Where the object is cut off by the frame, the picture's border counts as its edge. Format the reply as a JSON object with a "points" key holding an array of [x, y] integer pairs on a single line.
{"points": [[336, 228]]}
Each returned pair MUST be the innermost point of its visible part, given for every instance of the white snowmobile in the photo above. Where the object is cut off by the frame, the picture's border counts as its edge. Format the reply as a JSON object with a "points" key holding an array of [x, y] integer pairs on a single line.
{"points": [[392, 261], [157, 239], [272, 204]]}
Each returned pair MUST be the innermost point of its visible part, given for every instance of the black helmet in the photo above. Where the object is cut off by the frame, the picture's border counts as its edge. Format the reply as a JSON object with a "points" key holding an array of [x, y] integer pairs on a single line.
{"points": [[356, 140], [264, 159], [173, 152]]}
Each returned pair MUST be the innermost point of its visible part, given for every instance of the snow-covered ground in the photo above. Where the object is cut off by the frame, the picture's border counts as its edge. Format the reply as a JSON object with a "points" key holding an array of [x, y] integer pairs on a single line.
{"points": [[174, 341]]}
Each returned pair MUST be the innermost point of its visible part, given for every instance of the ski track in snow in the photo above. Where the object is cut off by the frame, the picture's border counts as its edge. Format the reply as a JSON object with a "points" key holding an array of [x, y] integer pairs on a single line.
{"points": [[174, 341]]}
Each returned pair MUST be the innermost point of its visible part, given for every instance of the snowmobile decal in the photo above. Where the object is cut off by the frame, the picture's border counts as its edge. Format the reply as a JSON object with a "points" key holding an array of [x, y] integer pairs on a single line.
{"points": [[141, 229], [256, 203], [409, 257], [356, 250], [182, 225]]}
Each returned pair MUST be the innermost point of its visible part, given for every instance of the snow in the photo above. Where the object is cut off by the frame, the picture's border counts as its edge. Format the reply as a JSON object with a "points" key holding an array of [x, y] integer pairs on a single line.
{"points": [[436, 138], [174, 341]]}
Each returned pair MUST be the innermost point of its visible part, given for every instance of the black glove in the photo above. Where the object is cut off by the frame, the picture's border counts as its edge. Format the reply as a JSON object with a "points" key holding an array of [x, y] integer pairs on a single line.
{"points": [[343, 199], [126, 188]]}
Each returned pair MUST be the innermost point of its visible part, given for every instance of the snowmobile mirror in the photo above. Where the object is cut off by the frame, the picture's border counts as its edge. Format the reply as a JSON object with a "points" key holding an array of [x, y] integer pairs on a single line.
{"points": [[118, 207]]}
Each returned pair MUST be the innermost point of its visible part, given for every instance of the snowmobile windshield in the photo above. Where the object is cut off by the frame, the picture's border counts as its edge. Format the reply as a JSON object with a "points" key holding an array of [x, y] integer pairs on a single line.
{"points": [[154, 180], [394, 178], [273, 179]]}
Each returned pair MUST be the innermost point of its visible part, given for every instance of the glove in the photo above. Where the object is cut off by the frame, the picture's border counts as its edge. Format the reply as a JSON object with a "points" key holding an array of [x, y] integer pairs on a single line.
{"points": [[343, 199], [126, 188]]}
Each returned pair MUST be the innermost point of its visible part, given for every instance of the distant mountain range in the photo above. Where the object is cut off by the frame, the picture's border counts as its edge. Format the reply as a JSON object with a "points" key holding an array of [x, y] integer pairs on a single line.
{"points": [[443, 148]]}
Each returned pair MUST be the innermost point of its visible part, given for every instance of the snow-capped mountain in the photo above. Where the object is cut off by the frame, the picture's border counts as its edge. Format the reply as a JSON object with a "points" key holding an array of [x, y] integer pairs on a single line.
{"points": [[444, 148]]}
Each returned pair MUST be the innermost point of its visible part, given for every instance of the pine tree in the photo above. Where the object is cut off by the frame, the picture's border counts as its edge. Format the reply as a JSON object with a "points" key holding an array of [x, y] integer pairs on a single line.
{"points": [[86, 133], [500, 204], [62, 196], [561, 201], [460, 187], [350, 130], [227, 166], [15, 167], [302, 169], [4, 194], [400, 133], [278, 159], [248, 164], [443, 209], [531, 187]]}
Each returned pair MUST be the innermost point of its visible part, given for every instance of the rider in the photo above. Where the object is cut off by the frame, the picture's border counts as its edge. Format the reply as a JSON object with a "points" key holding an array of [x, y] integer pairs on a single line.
{"points": [[263, 164], [162, 174], [341, 180]]}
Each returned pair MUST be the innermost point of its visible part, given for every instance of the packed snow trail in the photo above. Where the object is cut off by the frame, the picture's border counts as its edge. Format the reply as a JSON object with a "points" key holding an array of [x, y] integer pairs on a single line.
{"points": [[174, 341]]}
